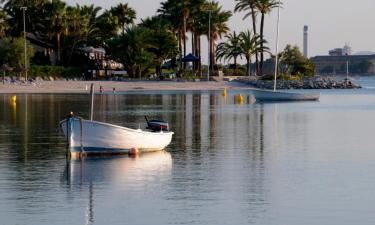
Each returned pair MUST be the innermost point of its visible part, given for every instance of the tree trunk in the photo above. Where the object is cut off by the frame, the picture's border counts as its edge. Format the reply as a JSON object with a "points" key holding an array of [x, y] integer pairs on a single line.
{"points": [[235, 66], [248, 59], [193, 43], [58, 49], [184, 38], [213, 57], [195, 47], [261, 45], [248, 66], [211, 63], [255, 33], [200, 56], [180, 50]]}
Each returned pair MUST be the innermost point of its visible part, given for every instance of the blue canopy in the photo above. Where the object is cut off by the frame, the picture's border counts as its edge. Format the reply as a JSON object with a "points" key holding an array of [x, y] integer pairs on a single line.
{"points": [[190, 58]]}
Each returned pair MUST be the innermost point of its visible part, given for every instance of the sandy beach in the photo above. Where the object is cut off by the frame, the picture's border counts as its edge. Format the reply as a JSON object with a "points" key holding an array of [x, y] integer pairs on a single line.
{"points": [[120, 86]]}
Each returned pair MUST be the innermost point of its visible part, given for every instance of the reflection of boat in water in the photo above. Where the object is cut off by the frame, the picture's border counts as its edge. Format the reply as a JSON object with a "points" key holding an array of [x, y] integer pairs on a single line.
{"points": [[118, 169], [87, 136], [110, 174]]}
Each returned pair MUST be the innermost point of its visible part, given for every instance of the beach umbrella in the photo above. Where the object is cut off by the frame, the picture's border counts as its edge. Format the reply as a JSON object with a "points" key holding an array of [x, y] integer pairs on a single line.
{"points": [[190, 58]]}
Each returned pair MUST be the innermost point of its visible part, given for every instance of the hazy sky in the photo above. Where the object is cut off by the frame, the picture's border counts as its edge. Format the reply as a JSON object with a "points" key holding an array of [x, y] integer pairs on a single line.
{"points": [[332, 23]]}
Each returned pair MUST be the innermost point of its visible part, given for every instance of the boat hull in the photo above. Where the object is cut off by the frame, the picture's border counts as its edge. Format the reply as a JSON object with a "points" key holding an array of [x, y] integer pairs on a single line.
{"points": [[96, 137], [271, 96]]}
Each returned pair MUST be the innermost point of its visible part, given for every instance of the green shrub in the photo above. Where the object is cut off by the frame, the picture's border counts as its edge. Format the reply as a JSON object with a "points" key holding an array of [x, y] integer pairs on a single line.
{"points": [[55, 71]]}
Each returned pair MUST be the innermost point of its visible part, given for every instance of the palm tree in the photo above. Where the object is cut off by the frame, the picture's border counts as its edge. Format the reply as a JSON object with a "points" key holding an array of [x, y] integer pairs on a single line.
{"points": [[198, 28], [4, 26], [230, 49], [131, 50], [162, 43], [91, 31], [250, 45], [180, 13], [125, 14], [264, 7], [108, 27], [33, 17], [250, 7], [56, 24], [82, 27], [171, 12], [219, 26], [195, 26]]}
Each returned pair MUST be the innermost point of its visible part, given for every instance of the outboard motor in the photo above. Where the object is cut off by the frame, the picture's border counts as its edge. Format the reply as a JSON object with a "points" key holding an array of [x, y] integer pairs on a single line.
{"points": [[157, 125]]}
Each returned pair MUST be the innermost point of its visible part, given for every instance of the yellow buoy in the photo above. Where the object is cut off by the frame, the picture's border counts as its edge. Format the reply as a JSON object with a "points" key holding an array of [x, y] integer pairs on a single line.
{"points": [[13, 99], [224, 92], [239, 99]]}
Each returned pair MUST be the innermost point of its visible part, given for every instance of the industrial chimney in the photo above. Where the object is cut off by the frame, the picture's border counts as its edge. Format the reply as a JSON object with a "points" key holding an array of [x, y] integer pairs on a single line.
{"points": [[305, 41]]}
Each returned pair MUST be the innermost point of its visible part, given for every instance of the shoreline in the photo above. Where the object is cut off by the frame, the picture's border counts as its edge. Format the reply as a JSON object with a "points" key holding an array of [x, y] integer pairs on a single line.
{"points": [[80, 87]]}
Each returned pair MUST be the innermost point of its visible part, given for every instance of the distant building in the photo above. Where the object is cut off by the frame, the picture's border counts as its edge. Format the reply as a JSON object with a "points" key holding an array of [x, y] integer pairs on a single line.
{"points": [[337, 64], [305, 41], [346, 50], [340, 60], [336, 52]]}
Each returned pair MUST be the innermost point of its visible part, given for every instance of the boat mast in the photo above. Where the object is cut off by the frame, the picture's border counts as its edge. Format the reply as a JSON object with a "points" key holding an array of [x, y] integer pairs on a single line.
{"points": [[277, 46]]}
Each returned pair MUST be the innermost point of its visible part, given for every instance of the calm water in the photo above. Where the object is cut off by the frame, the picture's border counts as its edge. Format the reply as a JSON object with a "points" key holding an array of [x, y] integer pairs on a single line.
{"points": [[272, 164]]}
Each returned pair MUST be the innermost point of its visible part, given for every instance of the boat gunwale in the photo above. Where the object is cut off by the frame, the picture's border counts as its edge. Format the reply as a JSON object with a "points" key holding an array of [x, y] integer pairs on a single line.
{"points": [[121, 127], [285, 96]]}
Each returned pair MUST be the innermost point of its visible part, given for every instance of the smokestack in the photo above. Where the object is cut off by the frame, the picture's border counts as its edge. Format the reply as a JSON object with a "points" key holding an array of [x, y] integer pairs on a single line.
{"points": [[305, 41]]}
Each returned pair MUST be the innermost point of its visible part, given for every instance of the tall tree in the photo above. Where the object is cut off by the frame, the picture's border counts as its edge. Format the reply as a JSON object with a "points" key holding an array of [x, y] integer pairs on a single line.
{"points": [[180, 14], [162, 43], [108, 27], [131, 50], [250, 7], [170, 11], [264, 7], [34, 15], [4, 25], [230, 49], [218, 28], [250, 45], [125, 14], [82, 29], [55, 23]]}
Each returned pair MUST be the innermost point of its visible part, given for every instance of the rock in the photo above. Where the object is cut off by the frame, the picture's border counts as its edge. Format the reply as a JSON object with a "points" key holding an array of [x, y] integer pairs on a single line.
{"points": [[316, 82]]}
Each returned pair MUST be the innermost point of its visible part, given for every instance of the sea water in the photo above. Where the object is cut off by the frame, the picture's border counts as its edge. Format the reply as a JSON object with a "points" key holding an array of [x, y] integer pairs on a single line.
{"points": [[229, 162]]}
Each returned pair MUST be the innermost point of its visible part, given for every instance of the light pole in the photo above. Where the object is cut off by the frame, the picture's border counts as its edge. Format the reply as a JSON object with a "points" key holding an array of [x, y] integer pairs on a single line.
{"points": [[24, 37], [209, 44]]}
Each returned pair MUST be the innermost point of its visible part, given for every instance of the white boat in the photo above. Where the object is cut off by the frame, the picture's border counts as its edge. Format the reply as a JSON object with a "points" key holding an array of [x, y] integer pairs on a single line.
{"points": [[275, 96], [87, 136]]}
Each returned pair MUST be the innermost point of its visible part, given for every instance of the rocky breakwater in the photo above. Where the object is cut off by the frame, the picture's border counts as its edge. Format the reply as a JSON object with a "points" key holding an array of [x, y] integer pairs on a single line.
{"points": [[316, 82]]}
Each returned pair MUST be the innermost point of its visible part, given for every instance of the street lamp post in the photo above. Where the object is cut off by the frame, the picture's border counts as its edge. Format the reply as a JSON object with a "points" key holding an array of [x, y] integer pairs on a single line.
{"points": [[24, 37]]}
